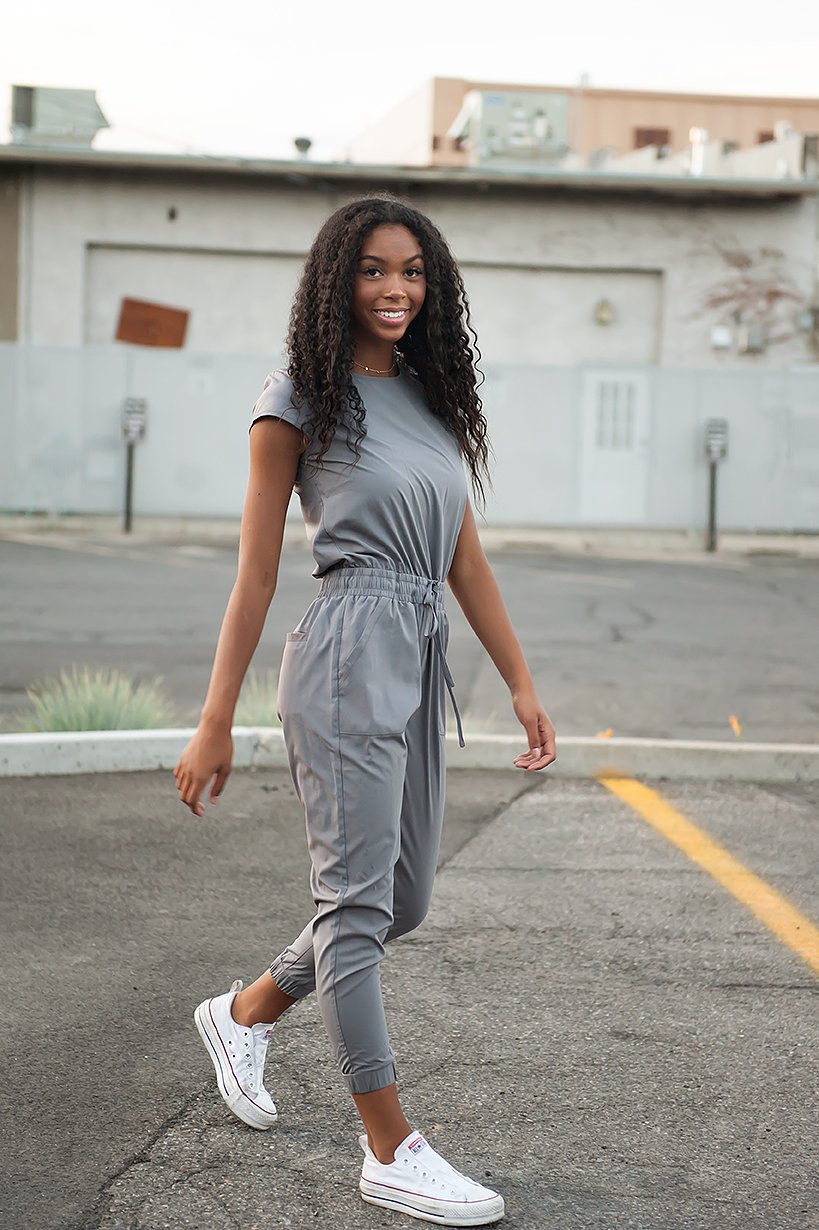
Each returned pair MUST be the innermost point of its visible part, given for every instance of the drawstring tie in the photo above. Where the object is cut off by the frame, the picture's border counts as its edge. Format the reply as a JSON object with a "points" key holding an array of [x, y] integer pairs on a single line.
{"points": [[432, 629]]}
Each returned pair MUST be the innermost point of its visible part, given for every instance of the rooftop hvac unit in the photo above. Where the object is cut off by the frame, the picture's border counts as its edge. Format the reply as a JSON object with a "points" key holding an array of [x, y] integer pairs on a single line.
{"points": [[42, 115], [513, 129]]}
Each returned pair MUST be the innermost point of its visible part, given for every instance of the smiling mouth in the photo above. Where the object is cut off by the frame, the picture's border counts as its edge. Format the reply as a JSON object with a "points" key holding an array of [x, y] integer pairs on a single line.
{"points": [[388, 314]]}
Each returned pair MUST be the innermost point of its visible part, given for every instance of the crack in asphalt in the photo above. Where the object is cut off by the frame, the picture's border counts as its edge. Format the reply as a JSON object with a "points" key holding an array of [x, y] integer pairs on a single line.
{"points": [[94, 1218]]}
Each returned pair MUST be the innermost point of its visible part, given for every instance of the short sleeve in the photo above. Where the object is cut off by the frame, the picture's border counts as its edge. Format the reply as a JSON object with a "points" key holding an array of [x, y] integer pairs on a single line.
{"points": [[276, 401]]}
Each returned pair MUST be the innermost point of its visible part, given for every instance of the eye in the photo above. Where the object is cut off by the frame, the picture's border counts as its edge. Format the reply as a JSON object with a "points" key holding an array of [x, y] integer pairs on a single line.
{"points": [[416, 272], [370, 269]]}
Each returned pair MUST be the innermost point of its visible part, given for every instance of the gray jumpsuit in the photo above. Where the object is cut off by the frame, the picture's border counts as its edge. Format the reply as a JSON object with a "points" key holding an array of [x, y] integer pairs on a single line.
{"points": [[362, 701]]}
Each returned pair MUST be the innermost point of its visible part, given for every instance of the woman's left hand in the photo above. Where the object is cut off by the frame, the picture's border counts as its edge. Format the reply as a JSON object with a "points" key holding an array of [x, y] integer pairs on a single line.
{"points": [[539, 731]]}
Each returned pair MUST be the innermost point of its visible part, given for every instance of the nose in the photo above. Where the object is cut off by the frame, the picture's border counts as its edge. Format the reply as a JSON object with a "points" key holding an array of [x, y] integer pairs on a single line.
{"points": [[394, 289]]}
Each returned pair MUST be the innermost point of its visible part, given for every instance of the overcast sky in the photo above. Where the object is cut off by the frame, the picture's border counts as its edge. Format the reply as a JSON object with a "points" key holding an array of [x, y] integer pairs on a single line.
{"points": [[247, 77]]}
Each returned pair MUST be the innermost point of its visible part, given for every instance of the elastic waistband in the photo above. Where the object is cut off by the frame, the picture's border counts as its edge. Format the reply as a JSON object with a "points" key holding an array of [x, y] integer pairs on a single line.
{"points": [[361, 579]]}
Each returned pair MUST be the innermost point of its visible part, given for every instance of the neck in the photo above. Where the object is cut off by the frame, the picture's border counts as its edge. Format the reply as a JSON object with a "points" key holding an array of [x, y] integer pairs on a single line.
{"points": [[376, 358]]}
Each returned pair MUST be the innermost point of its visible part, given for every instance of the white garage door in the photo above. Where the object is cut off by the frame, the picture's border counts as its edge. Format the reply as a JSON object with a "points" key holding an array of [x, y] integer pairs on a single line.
{"points": [[239, 302], [547, 315]]}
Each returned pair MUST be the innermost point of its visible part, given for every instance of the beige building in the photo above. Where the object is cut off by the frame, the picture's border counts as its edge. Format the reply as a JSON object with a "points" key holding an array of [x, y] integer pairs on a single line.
{"points": [[419, 130]]}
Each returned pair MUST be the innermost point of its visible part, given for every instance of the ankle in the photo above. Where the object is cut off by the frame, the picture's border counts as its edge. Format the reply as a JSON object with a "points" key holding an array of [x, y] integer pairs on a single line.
{"points": [[263, 1002], [384, 1147], [385, 1156], [244, 1012]]}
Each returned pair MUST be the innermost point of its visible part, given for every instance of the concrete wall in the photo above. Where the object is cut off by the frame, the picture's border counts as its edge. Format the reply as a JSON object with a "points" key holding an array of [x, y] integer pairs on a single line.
{"points": [[535, 264], [591, 424], [61, 411], [91, 232], [707, 261], [235, 299], [561, 455]]}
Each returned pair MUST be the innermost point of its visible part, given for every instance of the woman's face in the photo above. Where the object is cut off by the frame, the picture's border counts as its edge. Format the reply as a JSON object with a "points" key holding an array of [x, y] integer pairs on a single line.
{"points": [[389, 286]]}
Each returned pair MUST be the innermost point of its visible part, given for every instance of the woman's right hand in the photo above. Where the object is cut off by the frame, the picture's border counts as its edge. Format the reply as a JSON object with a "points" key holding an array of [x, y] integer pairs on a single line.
{"points": [[209, 754]]}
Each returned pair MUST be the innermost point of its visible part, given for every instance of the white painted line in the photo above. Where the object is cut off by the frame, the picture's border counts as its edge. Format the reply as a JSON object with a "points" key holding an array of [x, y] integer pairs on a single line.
{"points": [[118, 751]]}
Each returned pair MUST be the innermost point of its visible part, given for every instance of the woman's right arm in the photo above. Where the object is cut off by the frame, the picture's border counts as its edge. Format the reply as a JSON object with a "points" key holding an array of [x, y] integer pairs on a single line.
{"points": [[275, 447]]}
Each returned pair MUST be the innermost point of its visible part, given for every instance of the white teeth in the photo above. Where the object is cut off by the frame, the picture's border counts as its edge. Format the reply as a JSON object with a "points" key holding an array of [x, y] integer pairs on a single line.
{"points": [[391, 315]]}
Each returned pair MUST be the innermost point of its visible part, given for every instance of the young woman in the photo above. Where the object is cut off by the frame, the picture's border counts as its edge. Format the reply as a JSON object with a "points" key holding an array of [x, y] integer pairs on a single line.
{"points": [[372, 422]]}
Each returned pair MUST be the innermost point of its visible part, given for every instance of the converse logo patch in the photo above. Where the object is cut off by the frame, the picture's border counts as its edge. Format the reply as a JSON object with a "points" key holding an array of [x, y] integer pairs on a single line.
{"points": [[416, 1145]]}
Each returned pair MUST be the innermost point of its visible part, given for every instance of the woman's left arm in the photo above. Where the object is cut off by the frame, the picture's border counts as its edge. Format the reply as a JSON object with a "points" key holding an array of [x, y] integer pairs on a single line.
{"points": [[473, 583]]}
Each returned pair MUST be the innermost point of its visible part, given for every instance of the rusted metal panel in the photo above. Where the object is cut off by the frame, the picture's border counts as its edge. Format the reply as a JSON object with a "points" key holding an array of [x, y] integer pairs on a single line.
{"points": [[151, 324]]}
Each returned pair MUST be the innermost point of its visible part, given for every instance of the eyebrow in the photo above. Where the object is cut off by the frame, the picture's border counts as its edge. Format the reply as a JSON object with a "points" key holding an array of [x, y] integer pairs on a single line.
{"points": [[418, 257]]}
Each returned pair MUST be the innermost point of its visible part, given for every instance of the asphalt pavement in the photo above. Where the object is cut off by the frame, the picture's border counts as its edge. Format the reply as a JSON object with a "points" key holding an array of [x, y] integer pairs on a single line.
{"points": [[586, 1020], [659, 648]]}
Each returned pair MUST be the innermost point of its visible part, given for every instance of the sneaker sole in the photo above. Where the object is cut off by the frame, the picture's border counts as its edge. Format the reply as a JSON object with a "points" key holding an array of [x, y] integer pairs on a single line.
{"points": [[234, 1097], [486, 1218]]}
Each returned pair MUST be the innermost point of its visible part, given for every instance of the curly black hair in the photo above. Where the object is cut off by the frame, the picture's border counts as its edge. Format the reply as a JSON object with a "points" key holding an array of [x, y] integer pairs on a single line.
{"points": [[436, 346]]}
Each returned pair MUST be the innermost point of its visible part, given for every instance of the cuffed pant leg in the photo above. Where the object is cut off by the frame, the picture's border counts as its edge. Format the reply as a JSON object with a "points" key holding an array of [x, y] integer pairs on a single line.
{"points": [[294, 969]]}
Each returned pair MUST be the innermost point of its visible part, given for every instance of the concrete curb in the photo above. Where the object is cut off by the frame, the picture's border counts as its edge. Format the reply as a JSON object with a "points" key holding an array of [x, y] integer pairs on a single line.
{"points": [[104, 533], [42, 755]]}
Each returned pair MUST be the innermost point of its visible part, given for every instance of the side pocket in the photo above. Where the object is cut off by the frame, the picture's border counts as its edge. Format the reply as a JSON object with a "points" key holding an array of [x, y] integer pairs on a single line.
{"points": [[285, 693], [358, 646]]}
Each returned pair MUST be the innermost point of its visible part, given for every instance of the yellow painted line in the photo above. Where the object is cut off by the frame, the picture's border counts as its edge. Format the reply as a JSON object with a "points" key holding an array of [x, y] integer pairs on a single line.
{"points": [[778, 915]]}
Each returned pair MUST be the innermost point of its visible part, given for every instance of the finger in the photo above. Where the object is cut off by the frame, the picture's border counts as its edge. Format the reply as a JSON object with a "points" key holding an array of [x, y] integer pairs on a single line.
{"points": [[191, 797], [548, 757], [218, 784]]}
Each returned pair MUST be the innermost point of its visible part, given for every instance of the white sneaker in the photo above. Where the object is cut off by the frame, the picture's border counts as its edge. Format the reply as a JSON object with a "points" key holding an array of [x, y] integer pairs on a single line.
{"points": [[237, 1053], [423, 1184]]}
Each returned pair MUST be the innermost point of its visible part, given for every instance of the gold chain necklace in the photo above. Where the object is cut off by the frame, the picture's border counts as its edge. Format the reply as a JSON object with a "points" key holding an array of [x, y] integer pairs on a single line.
{"points": [[374, 371]]}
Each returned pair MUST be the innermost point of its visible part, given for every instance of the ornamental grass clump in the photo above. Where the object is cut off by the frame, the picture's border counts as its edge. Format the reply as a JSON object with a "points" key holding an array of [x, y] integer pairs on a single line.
{"points": [[81, 699], [257, 700]]}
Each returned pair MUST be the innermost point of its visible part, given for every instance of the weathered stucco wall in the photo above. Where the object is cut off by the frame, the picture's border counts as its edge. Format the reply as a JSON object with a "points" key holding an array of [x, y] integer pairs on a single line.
{"points": [[535, 264], [590, 424]]}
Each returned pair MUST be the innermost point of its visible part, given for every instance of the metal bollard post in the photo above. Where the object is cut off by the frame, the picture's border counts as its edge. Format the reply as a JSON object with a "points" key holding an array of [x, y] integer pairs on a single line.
{"points": [[716, 448], [134, 423]]}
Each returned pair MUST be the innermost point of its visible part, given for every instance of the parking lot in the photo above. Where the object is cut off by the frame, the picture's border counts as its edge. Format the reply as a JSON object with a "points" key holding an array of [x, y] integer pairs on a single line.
{"points": [[586, 1015], [589, 1017], [662, 648]]}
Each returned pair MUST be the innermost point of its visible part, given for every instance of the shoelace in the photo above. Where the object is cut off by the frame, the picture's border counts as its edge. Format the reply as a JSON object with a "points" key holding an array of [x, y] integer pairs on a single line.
{"points": [[424, 1175], [247, 1060]]}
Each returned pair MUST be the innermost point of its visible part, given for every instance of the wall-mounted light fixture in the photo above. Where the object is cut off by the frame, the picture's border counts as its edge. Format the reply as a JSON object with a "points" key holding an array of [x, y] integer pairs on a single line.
{"points": [[604, 312], [751, 339]]}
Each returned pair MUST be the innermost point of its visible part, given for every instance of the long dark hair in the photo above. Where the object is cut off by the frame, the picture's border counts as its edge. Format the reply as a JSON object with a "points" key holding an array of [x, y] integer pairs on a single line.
{"points": [[440, 346]]}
